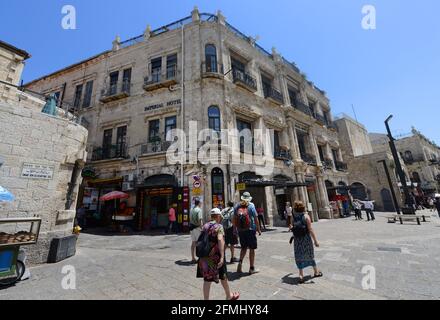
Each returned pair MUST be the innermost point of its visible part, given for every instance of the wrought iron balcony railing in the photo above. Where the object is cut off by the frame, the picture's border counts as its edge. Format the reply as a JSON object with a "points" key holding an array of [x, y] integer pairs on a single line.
{"points": [[328, 164], [158, 79], [274, 95], [309, 159], [282, 154], [155, 147], [321, 119], [114, 151], [244, 79], [303, 108], [341, 166], [116, 91]]}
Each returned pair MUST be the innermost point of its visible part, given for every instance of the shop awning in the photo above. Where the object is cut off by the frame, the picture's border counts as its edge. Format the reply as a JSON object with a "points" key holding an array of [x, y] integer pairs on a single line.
{"points": [[274, 183]]}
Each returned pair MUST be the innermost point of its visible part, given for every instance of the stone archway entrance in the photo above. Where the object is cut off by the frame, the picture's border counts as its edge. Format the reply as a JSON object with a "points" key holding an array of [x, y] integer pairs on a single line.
{"points": [[358, 191], [387, 200]]}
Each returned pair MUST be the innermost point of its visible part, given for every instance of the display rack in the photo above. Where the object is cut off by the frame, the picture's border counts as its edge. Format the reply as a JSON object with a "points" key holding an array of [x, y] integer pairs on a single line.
{"points": [[25, 232]]}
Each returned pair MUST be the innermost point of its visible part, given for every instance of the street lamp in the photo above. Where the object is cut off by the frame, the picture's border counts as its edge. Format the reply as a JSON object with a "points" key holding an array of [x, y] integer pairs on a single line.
{"points": [[401, 174]]}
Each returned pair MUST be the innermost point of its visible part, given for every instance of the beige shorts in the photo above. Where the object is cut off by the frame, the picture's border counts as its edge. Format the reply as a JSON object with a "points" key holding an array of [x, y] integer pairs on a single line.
{"points": [[195, 234]]}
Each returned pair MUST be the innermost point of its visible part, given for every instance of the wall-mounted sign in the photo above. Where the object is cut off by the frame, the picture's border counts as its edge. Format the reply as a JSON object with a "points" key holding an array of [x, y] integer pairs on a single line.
{"points": [[241, 186], [161, 105], [89, 172], [37, 171]]}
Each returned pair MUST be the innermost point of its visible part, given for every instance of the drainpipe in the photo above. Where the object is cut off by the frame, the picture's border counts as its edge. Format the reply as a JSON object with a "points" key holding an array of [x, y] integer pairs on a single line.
{"points": [[182, 109]]}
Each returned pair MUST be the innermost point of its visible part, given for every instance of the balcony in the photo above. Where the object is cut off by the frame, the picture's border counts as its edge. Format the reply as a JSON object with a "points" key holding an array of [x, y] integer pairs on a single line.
{"points": [[155, 147], [321, 119], [341, 166], [281, 154], [158, 80], [332, 126], [309, 159], [112, 152], [116, 92], [328, 164], [274, 95], [303, 108], [244, 80], [214, 70]]}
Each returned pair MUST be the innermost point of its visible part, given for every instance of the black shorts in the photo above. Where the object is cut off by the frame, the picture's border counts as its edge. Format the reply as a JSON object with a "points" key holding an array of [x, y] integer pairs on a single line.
{"points": [[248, 239], [231, 237]]}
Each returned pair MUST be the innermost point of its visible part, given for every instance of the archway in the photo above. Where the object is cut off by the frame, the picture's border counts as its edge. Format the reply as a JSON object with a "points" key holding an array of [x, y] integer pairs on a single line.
{"points": [[258, 193], [358, 191], [387, 200]]}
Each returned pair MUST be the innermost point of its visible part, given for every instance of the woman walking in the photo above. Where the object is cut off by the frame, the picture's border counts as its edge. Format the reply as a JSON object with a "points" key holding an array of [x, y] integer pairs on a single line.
{"points": [[303, 234], [231, 237], [212, 268]]}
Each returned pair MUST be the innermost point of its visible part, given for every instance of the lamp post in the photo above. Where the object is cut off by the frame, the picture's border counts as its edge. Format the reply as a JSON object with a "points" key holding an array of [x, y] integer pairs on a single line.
{"points": [[399, 169], [393, 194]]}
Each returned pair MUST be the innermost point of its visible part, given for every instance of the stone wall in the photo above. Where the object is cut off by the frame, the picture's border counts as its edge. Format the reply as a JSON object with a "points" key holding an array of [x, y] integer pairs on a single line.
{"points": [[31, 137]]}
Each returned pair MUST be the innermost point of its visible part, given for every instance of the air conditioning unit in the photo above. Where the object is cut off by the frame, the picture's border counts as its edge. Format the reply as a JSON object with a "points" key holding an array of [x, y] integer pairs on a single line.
{"points": [[129, 177], [127, 186]]}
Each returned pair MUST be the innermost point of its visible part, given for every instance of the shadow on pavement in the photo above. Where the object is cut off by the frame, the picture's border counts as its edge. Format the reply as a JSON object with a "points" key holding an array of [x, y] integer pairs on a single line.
{"points": [[287, 279], [185, 263], [233, 276]]}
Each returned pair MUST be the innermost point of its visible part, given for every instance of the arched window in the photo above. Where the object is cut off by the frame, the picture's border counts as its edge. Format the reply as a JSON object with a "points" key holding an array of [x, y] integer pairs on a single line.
{"points": [[214, 118], [218, 188], [211, 58]]}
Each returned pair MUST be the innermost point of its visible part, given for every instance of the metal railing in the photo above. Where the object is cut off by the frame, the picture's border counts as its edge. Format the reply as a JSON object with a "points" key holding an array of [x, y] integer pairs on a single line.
{"points": [[341, 166], [321, 119], [282, 154], [328, 164], [212, 68], [274, 94], [309, 159], [116, 89], [114, 151], [245, 79], [155, 147], [303, 108], [156, 75]]}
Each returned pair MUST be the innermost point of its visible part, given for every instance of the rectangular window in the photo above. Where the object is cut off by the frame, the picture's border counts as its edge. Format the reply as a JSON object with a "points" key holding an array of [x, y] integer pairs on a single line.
{"points": [[57, 96], [88, 94], [172, 66], [293, 96], [326, 118], [126, 80], [156, 69], [302, 144], [242, 126], [335, 155], [312, 108], [267, 85], [121, 141], [153, 130], [78, 95], [107, 143], [238, 65], [276, 142], [321, 153], [170, 124], [114, 77]]}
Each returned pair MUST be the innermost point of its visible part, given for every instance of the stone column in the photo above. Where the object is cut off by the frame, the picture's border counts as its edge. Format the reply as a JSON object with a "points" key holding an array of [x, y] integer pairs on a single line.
{"points": [[293, 139], [324, 211], [314, 148], [272, 217]]}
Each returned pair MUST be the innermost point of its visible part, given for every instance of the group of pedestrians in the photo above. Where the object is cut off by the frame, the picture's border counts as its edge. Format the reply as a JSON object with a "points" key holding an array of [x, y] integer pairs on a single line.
{"points": [[241, 223], [369, 209]]}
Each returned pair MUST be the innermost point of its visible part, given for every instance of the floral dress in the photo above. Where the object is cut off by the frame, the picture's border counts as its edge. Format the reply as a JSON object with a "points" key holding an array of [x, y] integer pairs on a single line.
{"points": [[303, 248], [207, 268]]}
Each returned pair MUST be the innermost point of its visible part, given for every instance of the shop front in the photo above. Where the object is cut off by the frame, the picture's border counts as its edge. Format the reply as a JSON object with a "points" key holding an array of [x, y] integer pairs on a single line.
{"points": [[154, 199]]}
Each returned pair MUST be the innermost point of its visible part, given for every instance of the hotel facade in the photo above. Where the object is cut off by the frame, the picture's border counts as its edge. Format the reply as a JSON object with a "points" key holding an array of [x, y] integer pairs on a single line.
{"points": [[200, 70]]}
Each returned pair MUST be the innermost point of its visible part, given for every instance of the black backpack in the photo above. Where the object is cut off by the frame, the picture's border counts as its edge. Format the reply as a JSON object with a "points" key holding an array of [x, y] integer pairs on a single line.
{"points": [[203, 246], [299, 229]]}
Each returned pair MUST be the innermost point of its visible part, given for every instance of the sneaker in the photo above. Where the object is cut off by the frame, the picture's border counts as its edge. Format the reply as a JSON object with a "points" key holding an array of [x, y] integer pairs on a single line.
{"points": [[239, 268], [253, 270]]}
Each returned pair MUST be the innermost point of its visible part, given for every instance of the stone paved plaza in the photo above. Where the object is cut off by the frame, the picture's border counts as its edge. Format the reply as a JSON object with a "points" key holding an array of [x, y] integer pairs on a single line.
{"points": [[406, 259]]}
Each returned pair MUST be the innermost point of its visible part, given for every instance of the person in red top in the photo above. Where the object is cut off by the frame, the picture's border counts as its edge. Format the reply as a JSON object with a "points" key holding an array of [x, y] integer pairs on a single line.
{"points": [[172, 219]]}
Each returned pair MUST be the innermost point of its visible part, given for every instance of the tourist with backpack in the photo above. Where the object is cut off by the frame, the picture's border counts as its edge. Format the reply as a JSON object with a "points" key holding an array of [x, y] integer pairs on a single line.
{"points": [[231, 238], [303, 238], [210, 249], [195, 227], [247, 224]]}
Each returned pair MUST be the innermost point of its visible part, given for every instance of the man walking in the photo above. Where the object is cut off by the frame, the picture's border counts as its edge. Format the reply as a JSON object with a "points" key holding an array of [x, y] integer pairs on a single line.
{"points": [[357, 209], [288, 213], [246, 221], [369, 207], [195, 227]]}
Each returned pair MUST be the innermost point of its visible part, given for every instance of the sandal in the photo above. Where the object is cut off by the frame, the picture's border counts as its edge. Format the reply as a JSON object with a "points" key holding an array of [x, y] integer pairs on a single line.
{"points": [[235, 296], [318, 275]]}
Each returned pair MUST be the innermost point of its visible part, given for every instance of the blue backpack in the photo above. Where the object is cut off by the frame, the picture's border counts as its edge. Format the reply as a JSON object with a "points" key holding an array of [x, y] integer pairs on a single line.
{"points": [[299, 229]]}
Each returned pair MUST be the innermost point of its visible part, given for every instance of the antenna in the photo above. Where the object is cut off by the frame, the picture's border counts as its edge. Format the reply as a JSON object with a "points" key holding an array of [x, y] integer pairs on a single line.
{"points": [[354, 112]]}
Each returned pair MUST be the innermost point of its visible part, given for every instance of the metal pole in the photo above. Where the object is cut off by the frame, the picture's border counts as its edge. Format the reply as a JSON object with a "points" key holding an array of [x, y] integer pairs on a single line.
{"points": [[399, 169], [387, 172], [182, 104]]}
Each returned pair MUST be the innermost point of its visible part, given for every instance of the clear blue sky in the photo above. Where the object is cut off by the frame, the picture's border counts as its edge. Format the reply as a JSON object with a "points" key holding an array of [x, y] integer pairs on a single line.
{"points": [[394, 69]]}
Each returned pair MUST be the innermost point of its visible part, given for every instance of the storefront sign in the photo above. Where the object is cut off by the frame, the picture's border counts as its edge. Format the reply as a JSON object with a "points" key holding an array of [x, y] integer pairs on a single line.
{"points": [[37, 171], [161, 105], [280, 191], [197, 191], [241, 186]]}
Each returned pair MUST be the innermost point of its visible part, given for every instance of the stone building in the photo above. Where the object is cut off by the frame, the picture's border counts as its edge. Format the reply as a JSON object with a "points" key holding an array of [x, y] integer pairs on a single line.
{"points": [[366, 166], [41, 154], [200, 69], [421, 157]]}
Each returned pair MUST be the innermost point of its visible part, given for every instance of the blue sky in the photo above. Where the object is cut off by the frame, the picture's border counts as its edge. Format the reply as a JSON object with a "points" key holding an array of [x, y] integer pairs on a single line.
{"points": [[394, 69]]}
